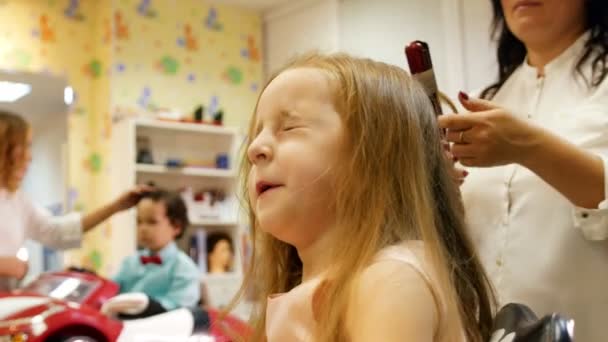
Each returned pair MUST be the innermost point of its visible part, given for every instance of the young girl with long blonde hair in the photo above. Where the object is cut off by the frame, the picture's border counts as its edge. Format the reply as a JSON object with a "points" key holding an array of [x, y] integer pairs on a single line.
{"points": [[358, 226]]}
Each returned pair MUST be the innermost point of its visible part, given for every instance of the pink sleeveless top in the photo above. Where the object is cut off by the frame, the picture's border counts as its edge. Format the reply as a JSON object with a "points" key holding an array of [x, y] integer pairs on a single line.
{"points": [[289, 316]]}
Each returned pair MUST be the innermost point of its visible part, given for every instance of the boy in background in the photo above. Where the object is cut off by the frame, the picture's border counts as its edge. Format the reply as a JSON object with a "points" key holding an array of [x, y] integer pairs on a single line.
{"points": [[159, 277]]}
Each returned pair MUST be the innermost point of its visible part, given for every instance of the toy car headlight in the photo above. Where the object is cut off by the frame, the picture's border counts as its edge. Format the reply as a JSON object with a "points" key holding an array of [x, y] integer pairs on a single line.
{"points": [[18, 337]]}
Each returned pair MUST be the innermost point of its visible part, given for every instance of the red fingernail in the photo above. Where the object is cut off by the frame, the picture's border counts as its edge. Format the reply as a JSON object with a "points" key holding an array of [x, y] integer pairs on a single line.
{"points": [[463, 95], [455, 159], [465, 173]]}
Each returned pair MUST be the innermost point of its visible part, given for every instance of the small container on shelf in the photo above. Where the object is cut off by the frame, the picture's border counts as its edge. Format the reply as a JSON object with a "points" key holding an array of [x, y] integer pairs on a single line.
{"points": [[144, 153], [174, 163], [222, 161], [218, 118], [197, 249], [210, 205], [199, 114], [169, 114]]}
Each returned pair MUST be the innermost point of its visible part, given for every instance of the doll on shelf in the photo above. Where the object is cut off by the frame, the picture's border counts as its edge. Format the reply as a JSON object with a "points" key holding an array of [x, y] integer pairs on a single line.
{"points": [[220, 253]]}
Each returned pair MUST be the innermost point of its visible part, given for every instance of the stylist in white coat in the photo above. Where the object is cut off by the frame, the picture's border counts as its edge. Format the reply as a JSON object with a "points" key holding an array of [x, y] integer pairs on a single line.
{"points": [[537, 147], [20, 219]]}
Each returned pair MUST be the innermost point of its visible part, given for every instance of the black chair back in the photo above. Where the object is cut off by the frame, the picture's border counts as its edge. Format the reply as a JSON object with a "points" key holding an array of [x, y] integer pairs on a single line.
{"points": [[518, 323]]}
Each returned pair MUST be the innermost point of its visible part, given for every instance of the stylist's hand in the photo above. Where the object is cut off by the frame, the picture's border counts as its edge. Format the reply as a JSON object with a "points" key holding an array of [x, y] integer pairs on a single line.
{"points": [[489, 135], [131, 197], [458, 174]]}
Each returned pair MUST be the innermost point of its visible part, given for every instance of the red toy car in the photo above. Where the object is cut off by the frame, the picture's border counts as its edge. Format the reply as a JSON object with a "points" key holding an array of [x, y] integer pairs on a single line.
{"points": [[64, 306]]}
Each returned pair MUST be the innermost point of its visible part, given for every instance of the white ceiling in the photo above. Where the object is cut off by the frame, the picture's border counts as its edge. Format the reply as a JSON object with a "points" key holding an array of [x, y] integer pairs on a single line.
{"points": [[259, 5]]}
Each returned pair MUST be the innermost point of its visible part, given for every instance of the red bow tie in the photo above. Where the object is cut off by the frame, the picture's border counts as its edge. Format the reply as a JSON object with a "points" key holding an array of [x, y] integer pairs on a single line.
{"points": [[152, 259]]}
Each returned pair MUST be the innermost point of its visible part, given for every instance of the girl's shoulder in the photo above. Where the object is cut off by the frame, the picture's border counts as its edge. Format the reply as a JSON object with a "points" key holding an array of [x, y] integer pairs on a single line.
{"points": [[406, 263], [295, 307], [394, 297], [410, 252]]}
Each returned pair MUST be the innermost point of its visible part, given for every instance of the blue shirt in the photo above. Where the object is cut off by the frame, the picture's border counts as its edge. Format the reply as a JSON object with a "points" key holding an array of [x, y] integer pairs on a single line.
{"points": [[174, 283]]}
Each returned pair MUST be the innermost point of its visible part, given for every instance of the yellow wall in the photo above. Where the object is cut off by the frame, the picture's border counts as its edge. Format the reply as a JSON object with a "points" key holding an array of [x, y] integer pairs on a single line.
{"points": [[187, 55], [180, 53]]}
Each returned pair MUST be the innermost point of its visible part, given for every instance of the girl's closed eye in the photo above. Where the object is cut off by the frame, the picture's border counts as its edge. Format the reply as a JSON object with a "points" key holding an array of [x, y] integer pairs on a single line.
{"points": [[287, 128], [290, 125], [290, 121]]}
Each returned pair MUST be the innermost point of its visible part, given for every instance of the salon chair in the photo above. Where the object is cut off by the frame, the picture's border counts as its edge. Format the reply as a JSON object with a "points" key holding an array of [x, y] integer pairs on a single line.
{"points": [[518, 323]]}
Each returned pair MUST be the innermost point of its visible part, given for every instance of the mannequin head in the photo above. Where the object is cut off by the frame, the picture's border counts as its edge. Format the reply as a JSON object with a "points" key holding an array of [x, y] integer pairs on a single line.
{"points": [[220, 252]]}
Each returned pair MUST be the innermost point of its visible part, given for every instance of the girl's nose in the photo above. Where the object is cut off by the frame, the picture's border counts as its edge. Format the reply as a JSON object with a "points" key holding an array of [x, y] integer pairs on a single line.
{"points": [[260, 150]]}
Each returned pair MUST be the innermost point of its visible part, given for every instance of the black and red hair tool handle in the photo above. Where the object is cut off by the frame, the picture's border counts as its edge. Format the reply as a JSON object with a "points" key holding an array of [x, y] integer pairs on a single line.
{"points": [[419, 60]]}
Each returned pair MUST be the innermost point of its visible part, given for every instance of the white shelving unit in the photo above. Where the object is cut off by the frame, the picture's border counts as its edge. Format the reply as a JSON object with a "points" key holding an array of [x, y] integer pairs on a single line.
{"points": [[185, 171], [214, 223], [185, 127], [189, 142]]}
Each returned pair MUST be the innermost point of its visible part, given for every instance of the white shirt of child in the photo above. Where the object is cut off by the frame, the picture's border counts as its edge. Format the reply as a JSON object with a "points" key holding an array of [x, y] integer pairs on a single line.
{"points": [[538, 248], [20, 220]]}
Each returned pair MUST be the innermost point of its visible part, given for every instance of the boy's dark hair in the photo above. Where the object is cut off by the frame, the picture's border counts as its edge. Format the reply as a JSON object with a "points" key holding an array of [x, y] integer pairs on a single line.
{"points": [[175, 208]]}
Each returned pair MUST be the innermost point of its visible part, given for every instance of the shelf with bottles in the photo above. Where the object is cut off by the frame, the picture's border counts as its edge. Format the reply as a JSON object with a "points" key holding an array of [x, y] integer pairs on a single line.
{"points": [[192, 153], [159, 124], [201, 119], [185, 171]]}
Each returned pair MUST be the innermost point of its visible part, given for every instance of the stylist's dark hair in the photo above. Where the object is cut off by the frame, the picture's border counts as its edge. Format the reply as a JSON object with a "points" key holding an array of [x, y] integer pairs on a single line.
{"points": [[511, 51], [176, 209]]}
